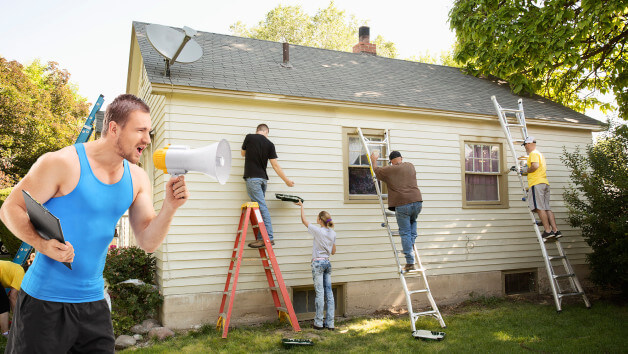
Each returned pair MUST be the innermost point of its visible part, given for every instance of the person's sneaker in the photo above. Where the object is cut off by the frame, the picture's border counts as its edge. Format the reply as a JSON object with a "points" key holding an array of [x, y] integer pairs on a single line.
{"points": [[409, 267], [558, 234], [257, 244], [548, 236], [317, 327]]}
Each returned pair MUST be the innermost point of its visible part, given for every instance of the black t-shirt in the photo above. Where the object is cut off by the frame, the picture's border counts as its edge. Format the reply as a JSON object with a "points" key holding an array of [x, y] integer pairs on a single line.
{"points": [[258, 151]]}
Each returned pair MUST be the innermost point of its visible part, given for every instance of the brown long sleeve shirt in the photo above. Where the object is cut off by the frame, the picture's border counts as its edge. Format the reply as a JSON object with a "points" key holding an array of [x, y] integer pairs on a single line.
{"points": [[401, 181]]}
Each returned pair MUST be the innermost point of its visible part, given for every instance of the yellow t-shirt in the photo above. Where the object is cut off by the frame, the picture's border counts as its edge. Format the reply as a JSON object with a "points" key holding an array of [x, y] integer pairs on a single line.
{"points": [[539, 175], [11, 274]]}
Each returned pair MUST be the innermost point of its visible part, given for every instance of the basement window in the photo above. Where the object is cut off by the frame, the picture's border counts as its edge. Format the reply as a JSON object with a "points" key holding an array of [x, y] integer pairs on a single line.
{"points": [[519, 282], [303, 301]]}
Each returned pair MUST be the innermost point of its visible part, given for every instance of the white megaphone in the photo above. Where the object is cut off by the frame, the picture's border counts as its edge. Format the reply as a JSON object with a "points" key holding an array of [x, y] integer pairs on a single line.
{"points": [[213, 160]]}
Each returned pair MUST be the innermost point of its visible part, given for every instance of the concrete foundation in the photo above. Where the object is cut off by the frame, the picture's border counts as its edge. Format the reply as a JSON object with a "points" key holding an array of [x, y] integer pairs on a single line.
{"points": [[361, 298]]}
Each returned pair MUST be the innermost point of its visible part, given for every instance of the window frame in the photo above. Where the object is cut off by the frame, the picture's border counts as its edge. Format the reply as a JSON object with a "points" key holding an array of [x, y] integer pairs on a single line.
{"points": [[355, 199], [502, 176]]}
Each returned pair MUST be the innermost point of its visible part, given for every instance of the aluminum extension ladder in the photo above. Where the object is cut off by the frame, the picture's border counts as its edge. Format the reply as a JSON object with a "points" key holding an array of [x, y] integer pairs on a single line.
{"points": [[517, 120], [25, 249], [250, 212], [386, 214]]}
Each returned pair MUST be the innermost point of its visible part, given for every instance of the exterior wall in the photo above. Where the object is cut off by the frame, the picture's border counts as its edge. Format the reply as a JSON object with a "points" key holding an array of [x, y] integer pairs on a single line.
{"points": [[454, 243]]}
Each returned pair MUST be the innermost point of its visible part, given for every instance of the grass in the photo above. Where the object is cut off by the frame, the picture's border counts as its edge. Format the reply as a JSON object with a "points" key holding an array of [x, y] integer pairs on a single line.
{"points": [[480, 325], [483, 325]]}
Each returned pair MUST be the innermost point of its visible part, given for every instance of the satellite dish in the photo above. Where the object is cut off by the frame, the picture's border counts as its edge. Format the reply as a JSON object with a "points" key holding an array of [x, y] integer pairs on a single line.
{"points": [[173, 45]]}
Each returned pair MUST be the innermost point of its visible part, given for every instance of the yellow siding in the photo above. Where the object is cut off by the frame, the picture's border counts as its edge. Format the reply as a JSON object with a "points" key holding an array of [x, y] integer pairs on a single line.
{"points": [[195, 256]]}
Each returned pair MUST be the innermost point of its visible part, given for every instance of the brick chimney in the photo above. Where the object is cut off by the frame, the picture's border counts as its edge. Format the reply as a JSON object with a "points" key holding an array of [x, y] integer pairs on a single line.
{"points": [[364, 46]]}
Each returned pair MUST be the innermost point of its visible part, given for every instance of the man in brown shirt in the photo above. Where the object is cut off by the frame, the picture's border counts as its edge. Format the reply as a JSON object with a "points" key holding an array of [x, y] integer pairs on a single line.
{"points": [[404, 197]]}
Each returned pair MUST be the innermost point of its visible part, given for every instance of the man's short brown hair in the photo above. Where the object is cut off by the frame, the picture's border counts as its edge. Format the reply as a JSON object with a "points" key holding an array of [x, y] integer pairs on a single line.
{"points": [[119, 110], [262, 128]]}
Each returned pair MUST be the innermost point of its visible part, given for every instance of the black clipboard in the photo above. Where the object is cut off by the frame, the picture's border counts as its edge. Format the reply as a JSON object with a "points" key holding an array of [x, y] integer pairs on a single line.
{"points": [[46, 224]]}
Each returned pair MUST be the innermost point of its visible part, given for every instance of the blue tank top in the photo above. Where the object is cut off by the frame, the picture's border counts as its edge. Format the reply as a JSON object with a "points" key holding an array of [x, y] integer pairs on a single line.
{"points": [[88, 218]]}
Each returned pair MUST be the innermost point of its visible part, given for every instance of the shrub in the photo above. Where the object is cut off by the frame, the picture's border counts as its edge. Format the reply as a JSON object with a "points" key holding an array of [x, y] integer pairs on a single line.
{"points": [[131, 303], [9, 240], [598, 204]]}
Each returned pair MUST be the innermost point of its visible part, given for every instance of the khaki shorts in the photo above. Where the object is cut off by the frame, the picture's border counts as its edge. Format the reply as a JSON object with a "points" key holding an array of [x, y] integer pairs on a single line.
{"points": [[539, 197]]}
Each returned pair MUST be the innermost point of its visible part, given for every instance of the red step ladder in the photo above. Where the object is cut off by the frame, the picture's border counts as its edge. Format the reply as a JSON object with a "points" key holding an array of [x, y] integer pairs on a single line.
{"points": [[250, 211]]}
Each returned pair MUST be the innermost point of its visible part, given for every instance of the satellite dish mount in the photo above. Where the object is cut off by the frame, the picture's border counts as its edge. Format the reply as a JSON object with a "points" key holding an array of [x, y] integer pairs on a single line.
{"points": [[173, 45]]}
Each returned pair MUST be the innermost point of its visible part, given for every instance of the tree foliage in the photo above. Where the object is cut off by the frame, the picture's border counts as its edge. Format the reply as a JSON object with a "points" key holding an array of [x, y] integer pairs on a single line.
{"points": [[598, 204], [330, 28], [40, 111], [446, 57], [566, 50]]}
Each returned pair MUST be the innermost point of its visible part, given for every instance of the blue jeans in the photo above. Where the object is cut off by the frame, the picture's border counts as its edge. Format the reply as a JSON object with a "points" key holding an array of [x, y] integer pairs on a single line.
{"points": [[406, 219], [256, 189], [321, 273]]}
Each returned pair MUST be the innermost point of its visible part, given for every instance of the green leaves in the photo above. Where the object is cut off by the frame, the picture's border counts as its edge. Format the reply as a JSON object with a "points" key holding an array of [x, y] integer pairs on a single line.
{"points": [[330, 28], [598, 204], [565, 50], [40, 111]]}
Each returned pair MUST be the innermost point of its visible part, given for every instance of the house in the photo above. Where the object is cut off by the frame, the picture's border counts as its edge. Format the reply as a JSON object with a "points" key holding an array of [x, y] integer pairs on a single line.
{"points": [[474, 232]]}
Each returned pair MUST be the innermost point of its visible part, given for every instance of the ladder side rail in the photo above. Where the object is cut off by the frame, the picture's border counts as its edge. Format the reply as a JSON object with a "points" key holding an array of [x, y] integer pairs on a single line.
{"points": [[234, 257], [408, 300], [430, 298], [236, 274], [575, 282], [275, 266], [379, 194], [88, 127]]}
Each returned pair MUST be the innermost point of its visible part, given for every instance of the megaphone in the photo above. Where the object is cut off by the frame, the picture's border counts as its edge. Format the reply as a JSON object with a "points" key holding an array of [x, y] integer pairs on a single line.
{"points": [[213, 160]]}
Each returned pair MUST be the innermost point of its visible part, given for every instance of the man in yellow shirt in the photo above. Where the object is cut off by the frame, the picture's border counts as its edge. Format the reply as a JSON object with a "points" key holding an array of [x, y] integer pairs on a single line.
{"points": [[538, 189], [11, 275]]}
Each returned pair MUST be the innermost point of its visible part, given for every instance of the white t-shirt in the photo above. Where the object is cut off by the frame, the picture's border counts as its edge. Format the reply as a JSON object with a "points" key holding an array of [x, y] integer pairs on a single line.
{"points": [[324, 240]]}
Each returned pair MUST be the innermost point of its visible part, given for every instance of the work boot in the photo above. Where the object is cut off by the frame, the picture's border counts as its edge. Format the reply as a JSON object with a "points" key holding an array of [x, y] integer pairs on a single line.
{"points": [[409, 267], [260, 243]]}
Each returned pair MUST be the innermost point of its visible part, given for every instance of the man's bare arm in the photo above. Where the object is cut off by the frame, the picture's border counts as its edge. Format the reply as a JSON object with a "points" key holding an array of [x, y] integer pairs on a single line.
{"points": [[43, 181], [280, 173], [151, 229], [533, 167]]}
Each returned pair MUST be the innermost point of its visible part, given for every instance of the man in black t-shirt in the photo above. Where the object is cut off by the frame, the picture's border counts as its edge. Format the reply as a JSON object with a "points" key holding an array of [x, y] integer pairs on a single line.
{"points": [[257, 151]]}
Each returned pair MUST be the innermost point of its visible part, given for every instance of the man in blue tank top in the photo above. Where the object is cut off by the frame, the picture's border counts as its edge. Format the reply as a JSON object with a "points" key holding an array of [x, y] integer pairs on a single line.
{"points": [[88, 187]]}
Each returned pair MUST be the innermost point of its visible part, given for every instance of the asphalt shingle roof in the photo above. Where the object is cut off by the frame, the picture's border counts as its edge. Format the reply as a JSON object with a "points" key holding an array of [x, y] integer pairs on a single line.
{"points": [[252, 65]]}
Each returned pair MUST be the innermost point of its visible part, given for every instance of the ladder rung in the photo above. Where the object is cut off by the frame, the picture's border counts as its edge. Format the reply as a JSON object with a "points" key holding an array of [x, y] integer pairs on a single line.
{"points": [[417, 291], [390, 213], [514, 125], [553, 258], [268, 268], [425, 313], [571, 294], [282, 309], [381, 143], [395, 232], [274, 288], [511, 110], [560, 276]]}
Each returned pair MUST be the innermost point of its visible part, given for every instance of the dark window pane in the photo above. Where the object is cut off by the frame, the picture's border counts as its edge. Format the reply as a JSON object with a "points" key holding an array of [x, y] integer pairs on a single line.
{"points": [[300, 301], [495, 166], [311, 301], [360, 181], [481, 188]]}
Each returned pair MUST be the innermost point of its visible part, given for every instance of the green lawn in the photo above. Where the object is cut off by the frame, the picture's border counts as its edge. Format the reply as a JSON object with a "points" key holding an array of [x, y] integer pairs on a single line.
{"points": [[484, 326]]}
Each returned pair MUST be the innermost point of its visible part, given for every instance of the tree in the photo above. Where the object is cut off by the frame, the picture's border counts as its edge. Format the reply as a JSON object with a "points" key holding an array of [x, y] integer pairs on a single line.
{"points": [[40, 111], [566, 50], [445, 58], [598, 204], [330, 28]]}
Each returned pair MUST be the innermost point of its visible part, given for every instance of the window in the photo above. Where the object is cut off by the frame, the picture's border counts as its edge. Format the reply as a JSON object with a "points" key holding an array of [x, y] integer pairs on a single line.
{"points": [[359, 185], [519, 282], [484, 174], [303, 301]]}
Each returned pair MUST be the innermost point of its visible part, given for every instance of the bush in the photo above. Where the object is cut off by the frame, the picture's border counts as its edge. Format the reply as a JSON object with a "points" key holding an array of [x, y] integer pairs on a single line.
{"points": [[9, 240], [131, 303], [598, 204]]}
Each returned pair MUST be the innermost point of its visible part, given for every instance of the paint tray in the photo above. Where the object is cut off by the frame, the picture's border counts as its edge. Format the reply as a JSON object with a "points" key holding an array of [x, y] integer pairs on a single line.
{"points": [[428, 335], [289, 343]]}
